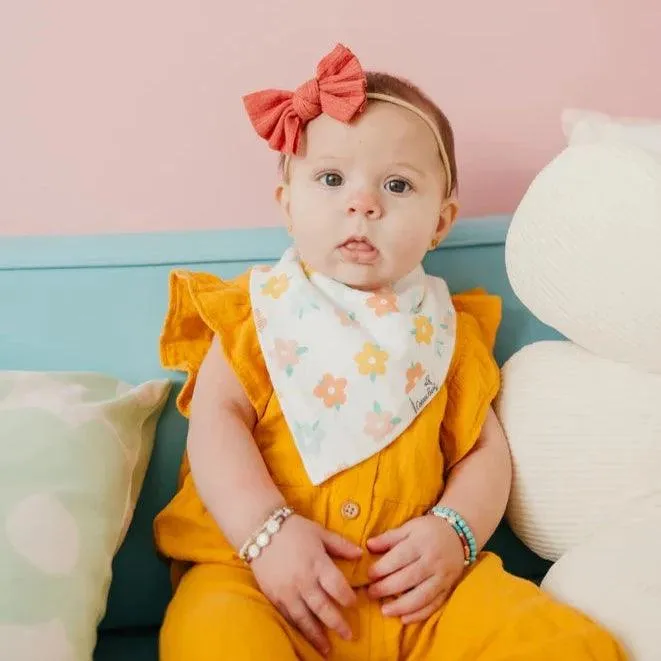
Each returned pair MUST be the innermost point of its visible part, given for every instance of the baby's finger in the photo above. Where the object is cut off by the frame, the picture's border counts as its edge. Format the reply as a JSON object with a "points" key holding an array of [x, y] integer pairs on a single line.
{"points": [[399, 581], [336, 585], [339, 547], [321, 605], [309, 626], [387, 540], [414, 600], [424, 613], [401, 555]]}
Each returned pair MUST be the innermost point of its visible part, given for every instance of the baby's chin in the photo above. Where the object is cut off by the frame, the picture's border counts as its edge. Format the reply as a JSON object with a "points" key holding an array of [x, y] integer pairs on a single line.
{"points": [[363, 277]]}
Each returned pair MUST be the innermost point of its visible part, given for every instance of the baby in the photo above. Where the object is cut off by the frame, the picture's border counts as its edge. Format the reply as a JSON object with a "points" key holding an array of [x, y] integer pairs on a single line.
{"points": [[344, 467]]}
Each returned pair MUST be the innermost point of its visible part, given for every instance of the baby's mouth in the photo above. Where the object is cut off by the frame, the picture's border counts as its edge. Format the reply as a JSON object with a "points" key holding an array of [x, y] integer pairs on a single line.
{"points": [[358, 250]]}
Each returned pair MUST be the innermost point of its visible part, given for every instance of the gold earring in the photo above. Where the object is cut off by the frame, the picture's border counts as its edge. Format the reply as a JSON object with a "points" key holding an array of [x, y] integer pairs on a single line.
{"points": [[290, 228], [434, 244]]}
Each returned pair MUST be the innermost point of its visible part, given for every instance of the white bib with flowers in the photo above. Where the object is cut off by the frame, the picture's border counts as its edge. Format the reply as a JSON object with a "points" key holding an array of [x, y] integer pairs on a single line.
{"points": [[351, 369]]}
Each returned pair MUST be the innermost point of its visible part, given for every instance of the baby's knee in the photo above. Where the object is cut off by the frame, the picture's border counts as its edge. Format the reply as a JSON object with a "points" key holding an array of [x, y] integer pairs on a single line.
{"points": [[557, 632], [222, 626]]}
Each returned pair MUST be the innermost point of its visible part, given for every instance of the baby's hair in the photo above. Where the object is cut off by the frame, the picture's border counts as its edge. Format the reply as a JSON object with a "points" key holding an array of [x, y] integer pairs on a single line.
{"points": [[384, 83]]}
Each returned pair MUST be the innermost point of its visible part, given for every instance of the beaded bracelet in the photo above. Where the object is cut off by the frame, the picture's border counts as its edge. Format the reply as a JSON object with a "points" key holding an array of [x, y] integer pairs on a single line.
{"points": [[462, 529], [262, 538]]}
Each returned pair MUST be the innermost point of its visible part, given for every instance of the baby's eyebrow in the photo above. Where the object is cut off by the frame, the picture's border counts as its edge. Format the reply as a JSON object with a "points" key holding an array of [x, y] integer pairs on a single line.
{"points": [[404, 164], [328, 157]]}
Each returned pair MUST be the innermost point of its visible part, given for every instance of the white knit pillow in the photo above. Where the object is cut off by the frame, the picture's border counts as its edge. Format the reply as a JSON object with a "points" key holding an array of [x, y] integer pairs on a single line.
{"points": [[582, 127], [615, 578], [582, 251], [585, 436]]}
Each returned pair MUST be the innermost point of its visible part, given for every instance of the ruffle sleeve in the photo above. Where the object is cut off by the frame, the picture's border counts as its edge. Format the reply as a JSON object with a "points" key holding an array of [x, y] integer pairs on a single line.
{"points": [[474, 376], [202, 306]]}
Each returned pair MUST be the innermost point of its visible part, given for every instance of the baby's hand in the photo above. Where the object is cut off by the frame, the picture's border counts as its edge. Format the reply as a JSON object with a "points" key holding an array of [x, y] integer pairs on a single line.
{"points": [[299, 577], [423, 561]]}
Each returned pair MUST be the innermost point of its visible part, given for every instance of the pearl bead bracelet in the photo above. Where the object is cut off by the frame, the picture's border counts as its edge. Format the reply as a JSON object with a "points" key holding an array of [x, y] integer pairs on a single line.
{"points": [[259, 540]]}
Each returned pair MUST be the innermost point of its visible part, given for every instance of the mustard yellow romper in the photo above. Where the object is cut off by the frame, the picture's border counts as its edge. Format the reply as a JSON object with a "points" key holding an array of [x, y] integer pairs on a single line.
{"points": [[218, 611]]}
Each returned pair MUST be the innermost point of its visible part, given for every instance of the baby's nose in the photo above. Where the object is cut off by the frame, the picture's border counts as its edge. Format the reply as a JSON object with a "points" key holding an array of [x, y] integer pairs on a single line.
{"points": [[366, 204]]}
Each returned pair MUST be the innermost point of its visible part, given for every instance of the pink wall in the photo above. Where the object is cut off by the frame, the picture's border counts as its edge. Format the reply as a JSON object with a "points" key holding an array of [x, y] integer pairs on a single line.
{"points": [[126, 116]]}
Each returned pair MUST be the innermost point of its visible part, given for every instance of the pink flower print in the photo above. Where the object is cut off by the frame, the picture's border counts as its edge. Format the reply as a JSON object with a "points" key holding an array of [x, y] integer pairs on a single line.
{"points": [[347, 318], [260, 320], [286, 354], [378, 423]]}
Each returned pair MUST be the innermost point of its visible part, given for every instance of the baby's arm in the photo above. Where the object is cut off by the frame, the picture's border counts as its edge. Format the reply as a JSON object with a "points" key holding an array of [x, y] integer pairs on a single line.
{"points": [[227, 468], [295, 570], [424, 558], [478, 486]]}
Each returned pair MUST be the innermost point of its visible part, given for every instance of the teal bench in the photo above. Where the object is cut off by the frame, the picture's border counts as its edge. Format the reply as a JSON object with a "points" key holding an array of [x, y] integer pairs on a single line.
{"points": [[97, 303]]}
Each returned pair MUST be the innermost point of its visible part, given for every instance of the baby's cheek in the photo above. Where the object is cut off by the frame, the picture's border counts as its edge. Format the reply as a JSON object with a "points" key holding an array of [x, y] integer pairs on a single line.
{"points": [[411, 238], [313, 246]]}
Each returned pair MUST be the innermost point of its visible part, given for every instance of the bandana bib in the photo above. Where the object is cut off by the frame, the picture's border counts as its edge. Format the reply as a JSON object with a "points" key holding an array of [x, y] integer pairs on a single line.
{"points": [[351, 369]]}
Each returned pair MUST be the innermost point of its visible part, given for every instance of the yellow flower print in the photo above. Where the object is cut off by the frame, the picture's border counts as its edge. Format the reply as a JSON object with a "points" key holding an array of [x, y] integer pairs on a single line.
{"points": [[307, 270], [371, 361], [276, 286], [423, 331]]}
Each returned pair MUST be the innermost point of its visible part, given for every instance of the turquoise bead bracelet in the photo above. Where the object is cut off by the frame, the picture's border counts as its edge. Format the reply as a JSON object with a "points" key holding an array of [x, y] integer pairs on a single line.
{"points": [[462, 529]]}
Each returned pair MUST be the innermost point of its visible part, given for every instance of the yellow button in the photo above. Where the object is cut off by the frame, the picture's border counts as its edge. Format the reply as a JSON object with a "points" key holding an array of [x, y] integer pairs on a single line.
{"points": [[350, 509]]}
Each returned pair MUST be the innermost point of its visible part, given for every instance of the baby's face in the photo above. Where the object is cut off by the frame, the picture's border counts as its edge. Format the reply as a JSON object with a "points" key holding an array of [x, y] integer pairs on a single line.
{"points": [[365, 200]]}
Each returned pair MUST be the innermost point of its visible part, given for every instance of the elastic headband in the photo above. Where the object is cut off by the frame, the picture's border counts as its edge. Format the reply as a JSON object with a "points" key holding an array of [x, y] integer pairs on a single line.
{"points": [[338, 90]]}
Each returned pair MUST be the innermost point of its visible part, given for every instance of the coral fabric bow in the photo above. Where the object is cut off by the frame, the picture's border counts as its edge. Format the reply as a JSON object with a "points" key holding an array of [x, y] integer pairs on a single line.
{"points": [[338, 90]]}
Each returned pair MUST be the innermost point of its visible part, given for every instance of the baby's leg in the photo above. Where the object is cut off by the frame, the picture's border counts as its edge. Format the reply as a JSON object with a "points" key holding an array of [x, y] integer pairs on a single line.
{"points": [[218, 612], [495, 616]]}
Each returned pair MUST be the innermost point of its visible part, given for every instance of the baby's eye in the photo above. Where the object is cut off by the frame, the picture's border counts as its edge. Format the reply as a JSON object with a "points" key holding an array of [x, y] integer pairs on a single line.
{"points": [[331, 179], [398, 186]]}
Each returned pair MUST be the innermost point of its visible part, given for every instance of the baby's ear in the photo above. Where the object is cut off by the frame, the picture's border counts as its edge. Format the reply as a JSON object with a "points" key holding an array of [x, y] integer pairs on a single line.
{"points": [[448, 216], [282, 198]]}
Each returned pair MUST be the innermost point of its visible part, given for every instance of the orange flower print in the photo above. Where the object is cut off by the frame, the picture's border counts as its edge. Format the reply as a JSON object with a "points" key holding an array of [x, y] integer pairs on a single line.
{"points": [[413, 375], [378, 423], [331, 391], [383, 303], [286, 354], [276, 286], [423, 331], [347, 318], [371, 361]]}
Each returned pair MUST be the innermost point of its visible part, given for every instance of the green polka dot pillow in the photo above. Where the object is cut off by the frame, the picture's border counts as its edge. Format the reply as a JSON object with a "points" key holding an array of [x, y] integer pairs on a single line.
{"points": [[74, 449]]}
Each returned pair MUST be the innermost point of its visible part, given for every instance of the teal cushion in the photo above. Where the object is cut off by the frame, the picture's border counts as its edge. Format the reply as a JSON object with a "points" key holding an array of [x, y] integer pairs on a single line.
{"points": [[133, 645], [137, 563]]}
